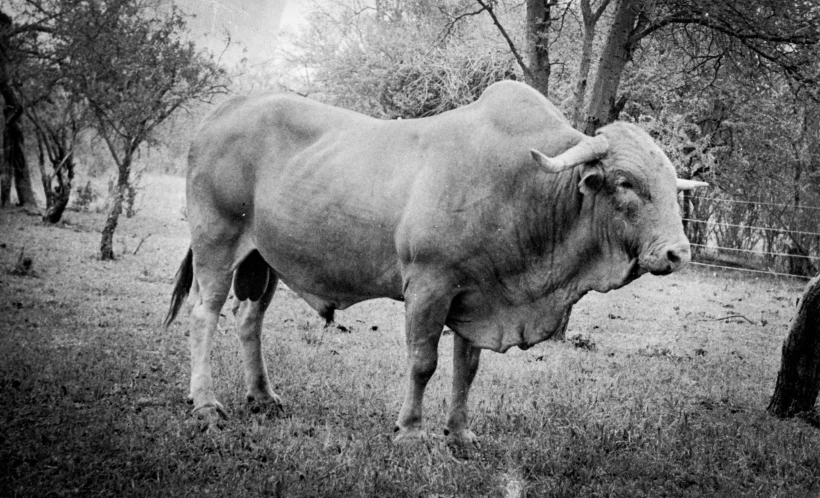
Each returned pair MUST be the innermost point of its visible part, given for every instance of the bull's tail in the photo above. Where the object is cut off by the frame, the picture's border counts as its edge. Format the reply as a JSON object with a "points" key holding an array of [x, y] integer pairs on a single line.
{"points": [[182, 285]]}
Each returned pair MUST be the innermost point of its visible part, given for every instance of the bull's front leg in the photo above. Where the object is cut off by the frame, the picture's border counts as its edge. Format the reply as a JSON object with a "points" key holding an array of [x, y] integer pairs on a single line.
{"points": [[426, 307], [465, 366]]}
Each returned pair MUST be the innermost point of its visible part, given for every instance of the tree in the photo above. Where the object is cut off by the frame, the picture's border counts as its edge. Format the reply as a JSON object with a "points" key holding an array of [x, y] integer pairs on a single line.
{"points": [[133, 69], [537, 67], [769, 35], [56, 115], [798, 381], [57, 123], [402, 59], [13, 166], [590, 21]]}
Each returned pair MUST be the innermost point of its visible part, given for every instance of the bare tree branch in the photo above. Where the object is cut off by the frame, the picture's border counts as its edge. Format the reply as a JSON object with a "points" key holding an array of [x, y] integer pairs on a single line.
{"points": [[524, 67]]}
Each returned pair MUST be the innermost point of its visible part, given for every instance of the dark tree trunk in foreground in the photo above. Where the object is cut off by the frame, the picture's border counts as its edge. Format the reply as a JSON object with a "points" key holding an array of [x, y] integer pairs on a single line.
{"points": [[798, 381]]}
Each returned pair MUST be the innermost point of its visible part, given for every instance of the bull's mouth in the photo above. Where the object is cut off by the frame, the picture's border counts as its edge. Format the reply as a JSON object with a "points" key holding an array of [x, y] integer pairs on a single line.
{"points": [[635, 270], [658, 268]]}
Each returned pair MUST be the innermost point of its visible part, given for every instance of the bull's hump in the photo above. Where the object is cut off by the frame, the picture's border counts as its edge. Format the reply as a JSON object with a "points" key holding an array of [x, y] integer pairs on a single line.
{"points": [[518, 109]]}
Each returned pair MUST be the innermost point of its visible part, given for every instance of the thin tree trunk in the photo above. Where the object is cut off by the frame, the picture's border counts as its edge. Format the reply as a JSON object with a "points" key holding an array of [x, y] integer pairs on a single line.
{"points": [[13, 167], [60, 195], [5, 170], [9, 110], [798, 381], [616, 53], [107, 242], [590, 22], [22, 178], [538, 23], [583, 74]]}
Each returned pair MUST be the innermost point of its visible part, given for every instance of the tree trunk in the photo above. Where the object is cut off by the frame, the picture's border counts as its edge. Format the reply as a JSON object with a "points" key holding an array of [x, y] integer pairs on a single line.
{"points": [[59, 196], [590, 22], [13, 167], [22, 178], [538, 23], [798, 381], [107, 242], [616, 53], [583, 74], [5, 172]]}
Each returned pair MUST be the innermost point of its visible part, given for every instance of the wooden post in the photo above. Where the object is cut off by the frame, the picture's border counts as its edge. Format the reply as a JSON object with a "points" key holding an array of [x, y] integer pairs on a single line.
{"points": [[798, 381]]}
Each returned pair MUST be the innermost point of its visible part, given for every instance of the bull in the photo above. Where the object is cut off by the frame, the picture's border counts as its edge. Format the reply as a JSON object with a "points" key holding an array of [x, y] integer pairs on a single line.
{"points": [[492, 219]]}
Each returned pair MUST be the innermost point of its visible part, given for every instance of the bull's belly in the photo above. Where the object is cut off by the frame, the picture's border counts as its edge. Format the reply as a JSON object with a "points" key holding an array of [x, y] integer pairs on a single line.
{"points": [[332, 272]]}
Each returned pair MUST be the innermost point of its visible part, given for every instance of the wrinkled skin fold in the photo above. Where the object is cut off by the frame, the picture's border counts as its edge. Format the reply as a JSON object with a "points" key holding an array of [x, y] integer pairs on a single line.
{"points": [[492, 219]]}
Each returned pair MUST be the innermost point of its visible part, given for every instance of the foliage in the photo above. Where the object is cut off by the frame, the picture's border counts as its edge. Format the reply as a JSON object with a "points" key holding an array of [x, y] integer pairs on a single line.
{"points": [[387, 63], [132, 67]]}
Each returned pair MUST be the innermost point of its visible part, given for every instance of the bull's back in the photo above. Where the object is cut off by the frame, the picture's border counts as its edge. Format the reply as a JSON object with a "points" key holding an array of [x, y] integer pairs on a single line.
{"points": [[317, 190]]}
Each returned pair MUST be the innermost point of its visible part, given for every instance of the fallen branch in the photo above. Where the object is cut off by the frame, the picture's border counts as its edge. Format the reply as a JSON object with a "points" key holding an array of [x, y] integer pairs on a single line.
{"points": [[728, 318], [140, 243]]}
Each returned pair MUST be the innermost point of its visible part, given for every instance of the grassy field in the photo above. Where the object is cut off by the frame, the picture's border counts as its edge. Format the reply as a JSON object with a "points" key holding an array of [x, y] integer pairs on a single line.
{"points": [[662, 392]]}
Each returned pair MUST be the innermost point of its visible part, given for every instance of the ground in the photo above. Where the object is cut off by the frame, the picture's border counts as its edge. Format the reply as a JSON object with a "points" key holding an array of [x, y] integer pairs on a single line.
{"points": [[660, 390]]}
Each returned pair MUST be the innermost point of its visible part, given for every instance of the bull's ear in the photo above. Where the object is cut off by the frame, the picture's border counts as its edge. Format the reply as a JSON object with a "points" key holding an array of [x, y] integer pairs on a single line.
{"points": [[592, 180]]}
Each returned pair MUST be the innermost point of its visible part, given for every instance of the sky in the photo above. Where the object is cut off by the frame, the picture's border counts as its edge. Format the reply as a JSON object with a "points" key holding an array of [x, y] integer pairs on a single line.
{"points": [[254, 24]]}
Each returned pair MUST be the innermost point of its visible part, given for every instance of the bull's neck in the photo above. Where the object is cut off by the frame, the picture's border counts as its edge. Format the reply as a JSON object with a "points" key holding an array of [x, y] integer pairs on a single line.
{"points": [[579, 250]]}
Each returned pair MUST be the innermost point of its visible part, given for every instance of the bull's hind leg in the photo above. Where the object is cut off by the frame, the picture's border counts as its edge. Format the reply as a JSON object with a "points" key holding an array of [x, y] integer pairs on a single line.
{"points": [[254, 285], [209, 292]]}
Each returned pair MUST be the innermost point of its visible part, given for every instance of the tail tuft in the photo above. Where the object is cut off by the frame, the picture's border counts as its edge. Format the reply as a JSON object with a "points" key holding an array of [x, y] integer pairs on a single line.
{"points": [[182, 285]]}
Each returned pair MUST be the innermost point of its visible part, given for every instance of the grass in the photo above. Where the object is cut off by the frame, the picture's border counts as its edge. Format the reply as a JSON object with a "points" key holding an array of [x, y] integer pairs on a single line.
{"points": [[663, 392]]}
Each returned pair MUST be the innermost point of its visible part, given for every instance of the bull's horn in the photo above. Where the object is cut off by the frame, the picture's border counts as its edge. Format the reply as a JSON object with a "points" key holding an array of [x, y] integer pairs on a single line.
{"points": [[689, 184], [588, 149]]}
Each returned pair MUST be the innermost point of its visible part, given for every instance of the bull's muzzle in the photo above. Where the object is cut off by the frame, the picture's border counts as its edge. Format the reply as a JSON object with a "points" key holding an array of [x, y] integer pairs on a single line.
{"points": [[666, 258]]}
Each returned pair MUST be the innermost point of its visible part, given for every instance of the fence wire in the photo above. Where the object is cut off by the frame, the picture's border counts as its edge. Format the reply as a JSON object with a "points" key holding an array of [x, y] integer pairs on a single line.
{"points": [[750, 270], [750, 227], [758, 203], [753, 251], [761, 253]]}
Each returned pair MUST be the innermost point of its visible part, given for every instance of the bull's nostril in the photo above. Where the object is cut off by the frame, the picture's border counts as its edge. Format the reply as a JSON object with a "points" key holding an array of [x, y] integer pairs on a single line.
{"points": [[673, 256]]}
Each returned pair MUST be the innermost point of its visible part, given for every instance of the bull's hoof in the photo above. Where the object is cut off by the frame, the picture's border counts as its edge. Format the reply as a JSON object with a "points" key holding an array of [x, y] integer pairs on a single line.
{"points": [[462, 437], [270, 405], [210, 416], [463, 444], [410, 435]]}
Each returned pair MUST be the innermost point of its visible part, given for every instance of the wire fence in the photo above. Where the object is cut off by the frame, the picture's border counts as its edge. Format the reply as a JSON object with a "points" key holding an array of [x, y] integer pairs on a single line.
{"points": [[754, 237]]}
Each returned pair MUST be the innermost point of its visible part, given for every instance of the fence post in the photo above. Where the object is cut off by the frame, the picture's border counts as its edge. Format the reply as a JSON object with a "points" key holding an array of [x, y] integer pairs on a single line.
{"points": [[798, 381]]}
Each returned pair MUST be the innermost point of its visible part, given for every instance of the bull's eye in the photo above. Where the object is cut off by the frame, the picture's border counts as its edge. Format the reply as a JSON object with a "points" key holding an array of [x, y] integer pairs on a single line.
{"points": [[625, 184]]}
